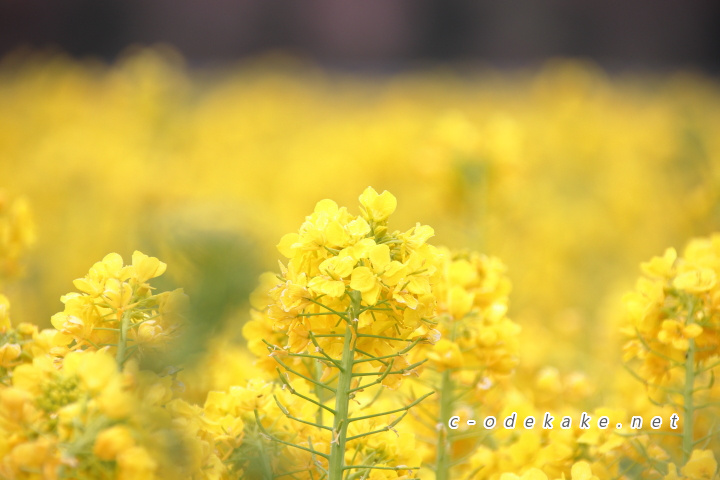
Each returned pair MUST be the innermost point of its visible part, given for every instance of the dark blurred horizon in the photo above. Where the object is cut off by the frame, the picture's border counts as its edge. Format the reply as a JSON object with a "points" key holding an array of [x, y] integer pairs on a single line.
{"points": [[379, 34]]}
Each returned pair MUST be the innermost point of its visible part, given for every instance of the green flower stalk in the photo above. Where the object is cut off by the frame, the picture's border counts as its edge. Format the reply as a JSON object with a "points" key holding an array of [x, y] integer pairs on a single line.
{"points": [[479, 344], [347, 311], [674, 327]]}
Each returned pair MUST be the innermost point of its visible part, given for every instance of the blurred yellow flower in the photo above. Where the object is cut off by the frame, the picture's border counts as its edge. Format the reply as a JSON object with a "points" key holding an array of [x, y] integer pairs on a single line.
{"points": [[530, 474], [112, 441], [695, 280], [701, 466]]}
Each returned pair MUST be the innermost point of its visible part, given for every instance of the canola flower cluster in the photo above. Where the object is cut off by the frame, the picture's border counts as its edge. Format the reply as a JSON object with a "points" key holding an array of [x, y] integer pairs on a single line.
{"points": [[674, 331], [334, 256], [352, 302], [71, 406], [118, 309]]}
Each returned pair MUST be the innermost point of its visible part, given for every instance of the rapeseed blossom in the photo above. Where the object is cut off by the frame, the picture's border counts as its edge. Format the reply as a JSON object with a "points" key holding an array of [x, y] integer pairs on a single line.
{"points": [[672, 322], [346, 310], [478, 344], [335, 253], [117, 308]]}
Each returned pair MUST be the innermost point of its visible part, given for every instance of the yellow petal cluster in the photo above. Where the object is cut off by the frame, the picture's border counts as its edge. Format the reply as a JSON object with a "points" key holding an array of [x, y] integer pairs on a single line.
{"points": [[675, 305], [79, 412], [112, 294], [472, 294], [337, 258]]}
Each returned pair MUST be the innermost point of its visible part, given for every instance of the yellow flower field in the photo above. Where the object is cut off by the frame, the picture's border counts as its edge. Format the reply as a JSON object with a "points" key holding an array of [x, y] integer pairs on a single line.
{"points": [[439, 247]]}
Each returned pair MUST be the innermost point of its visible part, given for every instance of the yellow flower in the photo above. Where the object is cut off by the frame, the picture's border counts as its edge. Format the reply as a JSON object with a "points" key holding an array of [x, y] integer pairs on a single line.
{"points": [[358, 228], [377, 207], [115, 401], [149, 332], [672, 473], [700, 466], [112, 441], [548, 381], [417, 236], [14, 401], [117, 293], [581, 471], [32, 455], [4, 314], [135, 463], [531, 474], [335, 269], [676, 334], [298, 336], [670, 310], [95, 369], [338, 267], [695, 280], [460, 301], [30, 377], [446, 354], [91, 286], [145, 267], [364, 281], [9, 352], [293, 297], [661, 267], [287, 244]]}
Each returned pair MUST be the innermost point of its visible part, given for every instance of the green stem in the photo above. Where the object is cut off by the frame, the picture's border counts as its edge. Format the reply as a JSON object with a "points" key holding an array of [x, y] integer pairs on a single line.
{"points": [[442, 466], [688, 405], [343, 393], [266, 467], [342, 402], [122, 342], [317, 373], [447, 405]]}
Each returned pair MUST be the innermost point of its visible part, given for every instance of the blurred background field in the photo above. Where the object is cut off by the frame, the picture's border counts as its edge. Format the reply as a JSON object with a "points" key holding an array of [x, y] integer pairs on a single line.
{"points": [[570, 175]]}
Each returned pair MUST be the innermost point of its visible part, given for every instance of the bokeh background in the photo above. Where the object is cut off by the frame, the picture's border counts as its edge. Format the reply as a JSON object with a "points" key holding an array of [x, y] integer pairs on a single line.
{"points": [[572, 140], [377, 34]]}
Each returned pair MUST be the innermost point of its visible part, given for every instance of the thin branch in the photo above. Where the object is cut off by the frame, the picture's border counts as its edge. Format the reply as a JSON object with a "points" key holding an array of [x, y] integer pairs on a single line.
{"points": [[384, 429], [319, 384], [383, 375], [289, 444], [705, 438], [313, 339], [339, 314], [653, 351], [350, 467], [362, 352], [645, 382], [355, 419], [367, 335], [295, 392]]}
